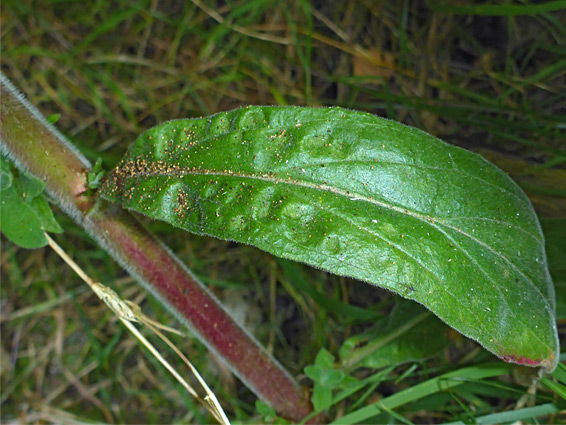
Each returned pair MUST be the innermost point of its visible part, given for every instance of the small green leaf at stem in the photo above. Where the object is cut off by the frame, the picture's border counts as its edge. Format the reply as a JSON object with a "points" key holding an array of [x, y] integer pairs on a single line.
{"points": [[53, 118], [94, 177], [24, 212], [359, 196]]}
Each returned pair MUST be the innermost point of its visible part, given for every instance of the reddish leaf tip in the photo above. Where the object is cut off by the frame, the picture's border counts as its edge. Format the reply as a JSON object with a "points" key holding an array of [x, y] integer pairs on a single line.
{"points": [[521, 360], [548, 363]]}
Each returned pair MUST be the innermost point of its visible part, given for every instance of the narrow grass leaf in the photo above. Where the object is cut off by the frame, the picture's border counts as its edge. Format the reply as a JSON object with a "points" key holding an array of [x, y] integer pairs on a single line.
{"points": [[502, 9], [513, 416], [432, 386], [554, 386], [560, 372], [109, 24], [554, 230], [292, 271]]}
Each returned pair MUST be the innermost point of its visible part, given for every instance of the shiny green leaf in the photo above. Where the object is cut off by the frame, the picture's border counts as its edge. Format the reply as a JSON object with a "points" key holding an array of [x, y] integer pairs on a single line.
{"points": [[358, 196]]}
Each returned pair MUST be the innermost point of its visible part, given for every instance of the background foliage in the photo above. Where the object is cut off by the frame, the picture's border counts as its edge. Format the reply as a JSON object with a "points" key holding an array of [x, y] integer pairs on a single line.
{"points": [[491, 83]]}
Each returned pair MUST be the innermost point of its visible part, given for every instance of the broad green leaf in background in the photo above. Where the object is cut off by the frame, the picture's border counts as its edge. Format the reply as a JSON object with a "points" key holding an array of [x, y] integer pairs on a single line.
{"points": [[358, 196], [24, 212], [349, 312], [410, 333]]}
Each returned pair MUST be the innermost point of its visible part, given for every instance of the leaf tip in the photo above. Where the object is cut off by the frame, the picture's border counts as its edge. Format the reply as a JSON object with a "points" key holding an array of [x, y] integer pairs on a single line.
{"points": [[548, 364]]}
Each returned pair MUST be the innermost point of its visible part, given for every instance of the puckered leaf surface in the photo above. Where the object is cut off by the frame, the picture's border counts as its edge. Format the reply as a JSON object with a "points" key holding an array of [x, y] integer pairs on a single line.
{"points": [[358, 196]]}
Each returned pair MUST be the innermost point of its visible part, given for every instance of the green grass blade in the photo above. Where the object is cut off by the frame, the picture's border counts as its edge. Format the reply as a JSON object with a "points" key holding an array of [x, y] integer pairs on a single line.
{"points": [[513, 416], [434, 385], [503, 9]]}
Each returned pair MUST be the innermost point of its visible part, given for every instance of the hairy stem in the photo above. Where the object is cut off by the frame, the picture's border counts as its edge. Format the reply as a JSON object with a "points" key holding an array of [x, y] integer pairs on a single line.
{"points": [[40, 149]]}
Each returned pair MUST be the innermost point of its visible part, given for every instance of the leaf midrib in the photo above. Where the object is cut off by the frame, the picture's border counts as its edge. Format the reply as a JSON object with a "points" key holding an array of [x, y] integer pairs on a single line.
{"points": [[275, 180], [408, 164], [379, 126]]}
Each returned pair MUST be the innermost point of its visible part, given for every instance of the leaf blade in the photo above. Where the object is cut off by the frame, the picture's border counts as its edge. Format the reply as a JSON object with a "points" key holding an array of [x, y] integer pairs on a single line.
{"points": [[24, 212], [363, 197]]}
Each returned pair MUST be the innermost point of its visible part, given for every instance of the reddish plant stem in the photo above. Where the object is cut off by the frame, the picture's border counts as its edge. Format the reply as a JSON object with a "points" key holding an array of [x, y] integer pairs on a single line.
{"points": [[40, 149]]}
